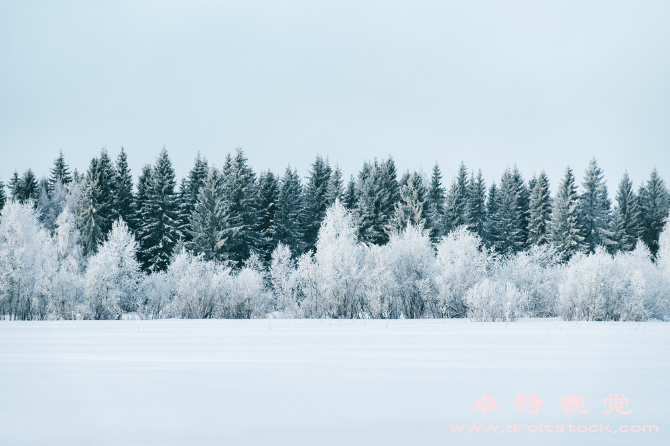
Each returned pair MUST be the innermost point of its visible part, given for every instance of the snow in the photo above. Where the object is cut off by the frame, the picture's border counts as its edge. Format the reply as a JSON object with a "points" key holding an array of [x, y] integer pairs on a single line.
{"points": [[324, 382]]}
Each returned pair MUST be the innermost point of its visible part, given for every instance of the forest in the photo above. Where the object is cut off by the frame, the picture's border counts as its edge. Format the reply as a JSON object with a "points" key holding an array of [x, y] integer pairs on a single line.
{"points": [[230, 243]]}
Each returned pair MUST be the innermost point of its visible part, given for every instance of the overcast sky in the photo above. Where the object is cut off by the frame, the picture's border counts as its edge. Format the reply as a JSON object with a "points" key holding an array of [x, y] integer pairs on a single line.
{"points": [[539, 84]]}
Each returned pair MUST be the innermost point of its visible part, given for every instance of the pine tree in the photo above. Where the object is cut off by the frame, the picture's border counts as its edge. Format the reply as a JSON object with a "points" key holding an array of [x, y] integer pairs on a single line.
{"points": [[15, 186], [523, 202], [316, 201], [390, 183], [3, 197], [491, 213], [436, 203], [566, 234], [89, 220], [413, 206], [507, 221], [654, 206], [593, 208], [476, 211], [59, 172], [207, 219], [107, 184], [350, 197], [288, 224], [158, 232], [268, 195], [335, 187], [627, 215], [540, 211], [28, 189], [123, 190], [372, 214], [188, 195]]}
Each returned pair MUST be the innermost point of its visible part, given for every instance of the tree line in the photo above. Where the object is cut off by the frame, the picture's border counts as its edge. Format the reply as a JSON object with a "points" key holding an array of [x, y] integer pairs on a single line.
{"points": [[229, 213]]}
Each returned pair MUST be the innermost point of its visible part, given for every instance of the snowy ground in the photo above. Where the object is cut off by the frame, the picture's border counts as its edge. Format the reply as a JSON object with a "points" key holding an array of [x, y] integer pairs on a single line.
{"points": [[323, 382]]}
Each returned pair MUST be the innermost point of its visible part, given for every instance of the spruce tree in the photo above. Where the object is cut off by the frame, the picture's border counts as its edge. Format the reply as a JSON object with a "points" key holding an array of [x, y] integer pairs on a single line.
{"points": [[335, 187], [316, 199], [626, 215], [123, 190], [436, 202], [523, 202], [566, 234], [372, 210], [413, 206], [594, 210], [107, 184], [654, 206], [59, 172], [28, 189], [158, 232], [491, 214], [507, 221], [188, 195], [453, 209], [350, 196], [15, 186], [540, 211], [476, 200], [207, 220], [90, 221], [268, 195], [288, 223], [3, 197], [390, 184]]}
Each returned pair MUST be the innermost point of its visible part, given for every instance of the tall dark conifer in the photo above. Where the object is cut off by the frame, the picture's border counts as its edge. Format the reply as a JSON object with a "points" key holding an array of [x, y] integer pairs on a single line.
{"points": [[316, 199], [654, 206], [288, 223]]}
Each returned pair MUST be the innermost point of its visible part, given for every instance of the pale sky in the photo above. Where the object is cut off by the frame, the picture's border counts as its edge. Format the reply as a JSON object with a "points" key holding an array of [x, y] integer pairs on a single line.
{"points": [[539, 84]]}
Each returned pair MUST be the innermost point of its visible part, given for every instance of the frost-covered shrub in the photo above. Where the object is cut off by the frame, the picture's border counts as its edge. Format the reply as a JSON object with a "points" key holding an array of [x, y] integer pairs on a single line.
{"points": [[401, 276], [538, 273], [113, 275], [462, 262], [247, 297], [28, 263], [283, 281], [626, 286], [491, 300], [155, 292]]}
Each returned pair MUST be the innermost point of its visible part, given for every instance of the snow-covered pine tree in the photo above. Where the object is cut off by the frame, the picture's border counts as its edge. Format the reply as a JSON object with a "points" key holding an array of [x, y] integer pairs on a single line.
{"points": [[316, 199], [27, 189], [239, 230], [15, 186], [205, 222], [90, 221], [268, 195], [158, 231], [123, 190], [540, 212], [593, 208], [107, 186], [476, 212], [566, 234], [3, 197], [508, 219], [390, 182], [350, 196], [491, 214], [626, 215], [335, 186], [371, 218], [523, 201], [435, 200], [412, 208], [654, 207], [188, 195], [288, 222], [59, 172], [456, 202]]}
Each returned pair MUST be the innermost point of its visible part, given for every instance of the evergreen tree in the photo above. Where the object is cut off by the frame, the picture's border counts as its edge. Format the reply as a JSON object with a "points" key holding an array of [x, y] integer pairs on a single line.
{"points": [[316, 199], [413, 206], [188, 195], [372, 212], [390, 182], [240, 217], [158, 231], [59, 172], [15, 186], [28, 189], [523, 201], [288, 224], [566, 234], [335, 187], [207, 220], [90, 221], [456, 202], [268, 195], [654, 206], [627, 215], [476, 199], [123, 190], [540, 211], [107, 185], [491, 213], [435, 200], [350, 197], [507, 221], [3, 197], [593, 208]]}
